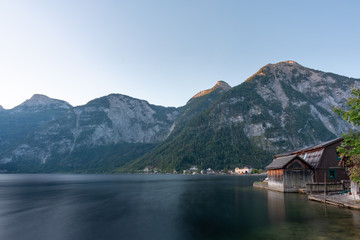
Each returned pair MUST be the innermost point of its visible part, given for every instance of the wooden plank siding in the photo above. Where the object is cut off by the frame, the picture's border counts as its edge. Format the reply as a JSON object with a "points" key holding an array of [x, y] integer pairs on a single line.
{"points": [[291, 171], [329, 164]]}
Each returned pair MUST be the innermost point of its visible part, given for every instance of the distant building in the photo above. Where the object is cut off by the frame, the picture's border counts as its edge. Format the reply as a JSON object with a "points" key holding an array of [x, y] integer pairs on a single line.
{"points": [[244, 170], [193, 169], [210, 171], [148, 169], [231, 172], [290, 172]]}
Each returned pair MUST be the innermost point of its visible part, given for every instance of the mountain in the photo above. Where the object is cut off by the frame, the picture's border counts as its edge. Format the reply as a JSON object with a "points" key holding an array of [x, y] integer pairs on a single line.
{"points": [[282, 107], [39, 102], [17, 123], [290, 106], [114, 120], [181, 135]]}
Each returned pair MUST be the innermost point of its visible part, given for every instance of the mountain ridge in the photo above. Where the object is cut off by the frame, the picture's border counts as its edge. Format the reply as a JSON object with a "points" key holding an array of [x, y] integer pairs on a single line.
{"points": [[283, 106]]}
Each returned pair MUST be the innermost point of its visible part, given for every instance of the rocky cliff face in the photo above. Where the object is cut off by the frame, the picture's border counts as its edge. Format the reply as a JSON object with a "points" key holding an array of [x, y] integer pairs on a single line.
{"points": [[108, 120], [285, 106], [17, 123]]}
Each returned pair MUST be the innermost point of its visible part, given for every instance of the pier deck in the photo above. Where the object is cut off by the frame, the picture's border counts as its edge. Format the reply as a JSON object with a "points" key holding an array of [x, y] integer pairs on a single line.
{"points": [[340, 200]]}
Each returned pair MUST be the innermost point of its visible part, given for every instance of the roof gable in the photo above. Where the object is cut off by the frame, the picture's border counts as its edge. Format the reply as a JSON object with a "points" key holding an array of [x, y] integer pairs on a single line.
{"points": [[311, 155], [281, 162], [313, 158], [321, 145]]}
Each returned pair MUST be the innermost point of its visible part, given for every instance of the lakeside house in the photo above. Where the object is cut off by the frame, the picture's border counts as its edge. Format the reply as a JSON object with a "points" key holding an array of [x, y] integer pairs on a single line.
{"points": [[244, 170], [193, 169], [148, 169], [289, 173], [309, 168]]}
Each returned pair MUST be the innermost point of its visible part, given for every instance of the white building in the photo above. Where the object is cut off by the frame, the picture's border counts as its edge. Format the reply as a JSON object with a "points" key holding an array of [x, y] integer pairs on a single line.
{"points": [[193, 169], [244, 170]]}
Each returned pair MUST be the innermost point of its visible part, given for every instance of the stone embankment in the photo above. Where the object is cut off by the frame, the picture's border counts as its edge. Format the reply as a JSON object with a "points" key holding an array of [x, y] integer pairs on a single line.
{"points": [[334, 198], [340, 200]]}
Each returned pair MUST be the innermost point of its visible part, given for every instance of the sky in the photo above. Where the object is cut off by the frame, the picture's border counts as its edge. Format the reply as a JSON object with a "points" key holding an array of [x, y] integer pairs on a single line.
{"points": [[165, 51]]}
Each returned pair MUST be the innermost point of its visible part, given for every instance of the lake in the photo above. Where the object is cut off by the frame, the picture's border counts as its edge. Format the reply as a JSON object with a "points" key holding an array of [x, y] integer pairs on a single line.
{"points": [[86, 207]]}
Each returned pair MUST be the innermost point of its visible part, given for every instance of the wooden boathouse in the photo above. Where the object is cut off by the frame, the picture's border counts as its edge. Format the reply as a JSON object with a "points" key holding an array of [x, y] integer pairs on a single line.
{"points": [[289, 173], [309, 168]]}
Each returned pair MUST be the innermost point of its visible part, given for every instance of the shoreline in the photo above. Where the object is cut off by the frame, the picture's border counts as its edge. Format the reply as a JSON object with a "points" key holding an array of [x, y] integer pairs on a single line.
{"points": [[339, 200]]}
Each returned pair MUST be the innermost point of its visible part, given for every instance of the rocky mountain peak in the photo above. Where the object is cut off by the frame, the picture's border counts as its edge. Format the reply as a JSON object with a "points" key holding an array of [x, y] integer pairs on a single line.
{"points": [[37, 99], [222, 85], [286, 70], [40, 102], [1, 108], [281, 66], [289, 62]]}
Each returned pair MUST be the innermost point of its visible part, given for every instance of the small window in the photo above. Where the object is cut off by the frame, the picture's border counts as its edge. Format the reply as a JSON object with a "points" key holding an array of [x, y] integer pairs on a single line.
{"points": [[332, 174], [338, 156]]}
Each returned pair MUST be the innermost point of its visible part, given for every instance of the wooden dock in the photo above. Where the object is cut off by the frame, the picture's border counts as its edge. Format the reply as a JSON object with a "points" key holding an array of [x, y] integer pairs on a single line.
{"points": [[340, 200]]}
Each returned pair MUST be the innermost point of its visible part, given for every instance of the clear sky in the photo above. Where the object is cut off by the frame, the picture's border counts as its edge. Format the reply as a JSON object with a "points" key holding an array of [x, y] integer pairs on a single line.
{"points": [[165, 51]]}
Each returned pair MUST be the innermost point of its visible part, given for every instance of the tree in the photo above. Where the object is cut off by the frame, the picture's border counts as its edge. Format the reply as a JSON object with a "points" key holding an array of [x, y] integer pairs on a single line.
{"points": [[350, 148]]}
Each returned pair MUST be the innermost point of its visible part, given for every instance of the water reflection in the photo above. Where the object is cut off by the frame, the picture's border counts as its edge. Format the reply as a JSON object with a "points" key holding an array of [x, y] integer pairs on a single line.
{"points": [[356, 219], [91, 208], [162, 207], [219, 207], [276, 207]]}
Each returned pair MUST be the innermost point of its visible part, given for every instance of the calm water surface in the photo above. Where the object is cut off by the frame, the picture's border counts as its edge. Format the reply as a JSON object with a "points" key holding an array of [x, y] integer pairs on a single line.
{"points": [[124, 207]]}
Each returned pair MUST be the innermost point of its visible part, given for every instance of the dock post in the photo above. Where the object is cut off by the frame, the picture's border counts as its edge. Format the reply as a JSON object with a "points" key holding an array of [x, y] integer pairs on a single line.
{"points": [[325, 188]]}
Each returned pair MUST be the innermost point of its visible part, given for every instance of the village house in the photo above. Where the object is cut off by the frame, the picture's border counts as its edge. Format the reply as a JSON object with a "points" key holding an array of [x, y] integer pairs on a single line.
{"points": [[244, 170], [309, 168], [193, 169], [148, 169]]}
